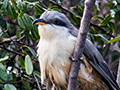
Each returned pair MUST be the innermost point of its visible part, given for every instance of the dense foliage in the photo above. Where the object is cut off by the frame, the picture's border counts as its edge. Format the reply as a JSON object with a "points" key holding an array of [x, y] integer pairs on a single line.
{"points": [[19, 67]]}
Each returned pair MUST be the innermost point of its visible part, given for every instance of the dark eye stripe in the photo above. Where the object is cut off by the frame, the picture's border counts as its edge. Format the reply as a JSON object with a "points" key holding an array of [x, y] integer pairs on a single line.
{"points": [[58, 22]]}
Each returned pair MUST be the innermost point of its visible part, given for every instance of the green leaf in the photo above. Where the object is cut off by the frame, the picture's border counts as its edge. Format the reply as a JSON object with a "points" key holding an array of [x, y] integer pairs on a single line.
{"points": [[3, 72], [76, 19], [27, 85], [25, 22], [28, 22], [117, 16], [116, 39], [55, 8], [37, 74], [22, 62], [80, 8], [5, 53], [38, 9], [22, 6], [9, 87], [21, 23], [32, 51], [12, 11], [96, 10], [18, 33], [106, 20], [5, 4], [28, 65], [96, 16], [103, 36], [34, 33], [3, 59], [118, 1], [112, 26]]}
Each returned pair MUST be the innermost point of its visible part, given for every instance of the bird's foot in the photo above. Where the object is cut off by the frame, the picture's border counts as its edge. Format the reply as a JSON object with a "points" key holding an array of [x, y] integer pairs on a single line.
{"points": [[74, 60]]}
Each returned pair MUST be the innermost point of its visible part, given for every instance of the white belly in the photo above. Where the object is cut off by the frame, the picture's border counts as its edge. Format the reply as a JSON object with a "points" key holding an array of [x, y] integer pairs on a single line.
{"points": [[54, 58]]}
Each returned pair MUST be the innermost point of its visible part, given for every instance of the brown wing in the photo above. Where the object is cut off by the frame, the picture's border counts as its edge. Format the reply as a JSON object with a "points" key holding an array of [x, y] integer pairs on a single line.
{"points": [[94, 57]]}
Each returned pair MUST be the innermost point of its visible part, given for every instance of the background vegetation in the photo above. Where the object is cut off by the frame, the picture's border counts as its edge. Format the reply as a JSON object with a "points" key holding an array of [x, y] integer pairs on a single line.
{"points": [[19, 67]]}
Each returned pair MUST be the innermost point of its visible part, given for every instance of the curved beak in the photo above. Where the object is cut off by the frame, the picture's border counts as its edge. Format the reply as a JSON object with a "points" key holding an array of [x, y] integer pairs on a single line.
{"points": [[39, 22]]}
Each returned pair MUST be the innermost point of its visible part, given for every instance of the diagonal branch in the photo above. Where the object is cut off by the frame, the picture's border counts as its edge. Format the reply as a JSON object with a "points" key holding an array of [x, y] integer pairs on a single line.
{"points": [[37, 81], [84, 27], [118, 74], [12, 51]]}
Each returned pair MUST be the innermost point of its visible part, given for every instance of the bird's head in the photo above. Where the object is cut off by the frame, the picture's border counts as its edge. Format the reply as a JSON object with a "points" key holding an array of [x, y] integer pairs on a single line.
{"points": [[53, 24]]}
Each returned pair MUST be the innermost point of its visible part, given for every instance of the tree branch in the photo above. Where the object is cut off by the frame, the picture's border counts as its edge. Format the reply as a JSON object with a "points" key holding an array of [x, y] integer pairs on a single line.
{"points": [[11, 38], [84, 27], [63, 8], [12, 51], [37, 81], [118, 74]]}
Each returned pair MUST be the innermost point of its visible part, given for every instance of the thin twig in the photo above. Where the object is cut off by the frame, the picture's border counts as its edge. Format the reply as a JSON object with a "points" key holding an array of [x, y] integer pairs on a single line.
{"points": [[13, 82], [11, 38], [43, 4], [63, 8], [37, 81], [20, 38], [12, 51]]}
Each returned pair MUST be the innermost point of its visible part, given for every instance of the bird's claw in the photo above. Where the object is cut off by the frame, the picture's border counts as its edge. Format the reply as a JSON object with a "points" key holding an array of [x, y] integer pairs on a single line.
{"points": [[74, 60]]}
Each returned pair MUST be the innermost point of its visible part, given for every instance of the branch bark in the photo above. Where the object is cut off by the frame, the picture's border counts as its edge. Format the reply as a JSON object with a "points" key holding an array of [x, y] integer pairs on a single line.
{"points": [[84, 27]]}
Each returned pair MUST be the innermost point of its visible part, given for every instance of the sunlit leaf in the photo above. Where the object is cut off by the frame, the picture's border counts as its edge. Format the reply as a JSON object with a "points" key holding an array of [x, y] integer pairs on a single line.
{"points": [[103, 36], [12, 11], [28, 65], [22, 6], [112, 26], [116, 39], [5, 4], [106, 20], [96, 9], [37, 74], [96, 16], [27, 85], [55, 8], [22, 62], [3, 72], [32, 51], [28, 22], [80, 8], [18, 33], [3, 59], [34, 33], [9, 87], [38, 9], [25, 22], [76, 19]]}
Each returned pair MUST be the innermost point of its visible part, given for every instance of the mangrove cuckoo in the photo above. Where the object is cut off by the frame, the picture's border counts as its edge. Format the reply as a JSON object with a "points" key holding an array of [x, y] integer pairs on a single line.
{"points": [[57, 42]]}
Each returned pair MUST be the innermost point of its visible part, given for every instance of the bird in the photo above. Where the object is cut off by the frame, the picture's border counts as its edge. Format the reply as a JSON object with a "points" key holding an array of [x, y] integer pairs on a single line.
{"points": [[55, 47]]}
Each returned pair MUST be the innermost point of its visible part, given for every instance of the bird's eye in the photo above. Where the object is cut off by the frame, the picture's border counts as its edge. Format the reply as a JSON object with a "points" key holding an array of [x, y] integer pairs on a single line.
{"points": [[55, 21]]}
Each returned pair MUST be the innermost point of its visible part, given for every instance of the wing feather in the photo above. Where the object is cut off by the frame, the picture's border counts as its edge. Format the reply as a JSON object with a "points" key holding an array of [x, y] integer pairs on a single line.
{"points": [[96, 60]]}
